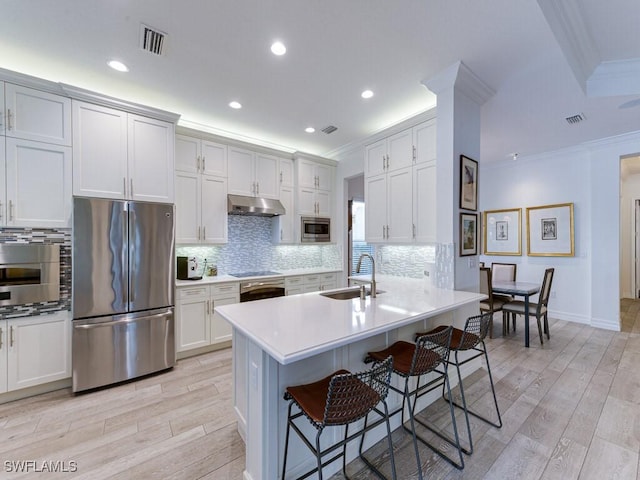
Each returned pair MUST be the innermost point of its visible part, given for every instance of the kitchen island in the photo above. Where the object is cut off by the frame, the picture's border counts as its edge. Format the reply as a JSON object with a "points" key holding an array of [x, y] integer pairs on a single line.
{"points": [[298, 339]]}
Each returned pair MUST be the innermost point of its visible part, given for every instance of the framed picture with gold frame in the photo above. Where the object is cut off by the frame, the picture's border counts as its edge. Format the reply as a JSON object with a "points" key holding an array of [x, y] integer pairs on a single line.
{"points": [[550, 231], [502, 232]]}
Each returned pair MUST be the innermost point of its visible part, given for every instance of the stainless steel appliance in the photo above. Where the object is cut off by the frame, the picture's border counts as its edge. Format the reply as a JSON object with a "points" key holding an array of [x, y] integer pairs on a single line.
{"points": [[258, 289], [315, 230], [29, 273], [123, 283], [257, 206]]}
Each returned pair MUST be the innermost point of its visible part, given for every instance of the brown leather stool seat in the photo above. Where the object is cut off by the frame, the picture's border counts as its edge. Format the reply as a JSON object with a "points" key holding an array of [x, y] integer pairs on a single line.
{"points": [[339, 399], [471, 338]]}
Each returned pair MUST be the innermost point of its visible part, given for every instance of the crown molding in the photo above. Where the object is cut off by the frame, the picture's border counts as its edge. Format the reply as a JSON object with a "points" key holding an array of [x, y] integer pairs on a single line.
{"points": [[464, 80], [613, 78], [575, 40]]}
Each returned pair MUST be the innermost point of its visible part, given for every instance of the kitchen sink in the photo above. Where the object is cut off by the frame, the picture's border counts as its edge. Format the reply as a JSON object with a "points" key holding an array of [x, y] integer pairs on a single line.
{"points": [[348, 293]]}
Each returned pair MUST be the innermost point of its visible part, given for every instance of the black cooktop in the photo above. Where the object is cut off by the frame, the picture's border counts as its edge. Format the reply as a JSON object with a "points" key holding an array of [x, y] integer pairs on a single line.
{"points": [[262, 273]]}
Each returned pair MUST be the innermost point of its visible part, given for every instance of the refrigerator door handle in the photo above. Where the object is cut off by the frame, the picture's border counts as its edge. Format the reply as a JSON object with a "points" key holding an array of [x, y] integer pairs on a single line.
{"points": [[120, 321]]}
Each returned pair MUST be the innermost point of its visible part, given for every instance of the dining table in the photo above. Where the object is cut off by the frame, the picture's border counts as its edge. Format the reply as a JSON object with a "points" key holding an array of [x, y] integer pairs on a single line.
{"points": [[518, 289]]}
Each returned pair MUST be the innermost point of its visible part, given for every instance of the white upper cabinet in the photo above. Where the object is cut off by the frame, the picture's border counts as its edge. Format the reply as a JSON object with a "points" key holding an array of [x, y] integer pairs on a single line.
{"points": [[314, 175], [200, 156], [286, 173], [3, 116], [35, 115], [38, 184], [400, 189], [253, 174], [201, 196], [151, 159], [391, 153], [283, 226], [99, 151], [121, 155]]}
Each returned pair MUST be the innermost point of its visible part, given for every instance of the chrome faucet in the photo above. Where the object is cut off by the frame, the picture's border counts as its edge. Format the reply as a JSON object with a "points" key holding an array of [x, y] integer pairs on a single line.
{"points": [[373, 272]]}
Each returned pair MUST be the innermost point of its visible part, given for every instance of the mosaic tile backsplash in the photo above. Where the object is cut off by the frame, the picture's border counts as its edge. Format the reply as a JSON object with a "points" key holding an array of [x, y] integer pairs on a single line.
{"points": [[46, 236], [250, 249]]}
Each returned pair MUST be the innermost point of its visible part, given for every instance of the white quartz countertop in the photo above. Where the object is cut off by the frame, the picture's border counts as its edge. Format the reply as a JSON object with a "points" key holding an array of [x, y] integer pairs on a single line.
{"points": [[296, 327], [228, 278]]}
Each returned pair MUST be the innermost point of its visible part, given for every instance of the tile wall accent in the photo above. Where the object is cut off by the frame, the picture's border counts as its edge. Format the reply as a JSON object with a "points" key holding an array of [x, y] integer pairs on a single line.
{"points": [[445, 265], [46, 236], [249, 249], [404, 260]]}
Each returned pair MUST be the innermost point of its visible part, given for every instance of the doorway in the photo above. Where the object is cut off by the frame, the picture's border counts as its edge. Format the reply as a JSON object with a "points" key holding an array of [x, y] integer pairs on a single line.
{"points": [[355, 214]]}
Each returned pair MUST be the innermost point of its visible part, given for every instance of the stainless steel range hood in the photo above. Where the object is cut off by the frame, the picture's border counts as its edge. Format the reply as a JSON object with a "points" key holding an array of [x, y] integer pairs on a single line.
{"points": [[260, 207]]}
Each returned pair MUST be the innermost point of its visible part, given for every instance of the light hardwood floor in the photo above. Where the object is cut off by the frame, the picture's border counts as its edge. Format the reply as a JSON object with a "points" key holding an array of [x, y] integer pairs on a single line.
{"points": [[570, 410]]}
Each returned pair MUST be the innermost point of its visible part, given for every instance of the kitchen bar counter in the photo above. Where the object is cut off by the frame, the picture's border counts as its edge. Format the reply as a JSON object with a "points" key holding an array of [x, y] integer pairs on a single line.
{"points": [[301, 338]]}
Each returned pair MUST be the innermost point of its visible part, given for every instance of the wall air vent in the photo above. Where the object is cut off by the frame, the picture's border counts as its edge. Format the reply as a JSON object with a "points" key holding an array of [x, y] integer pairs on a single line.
{"points": [[575, 118], [151, 40], [329, 129]]}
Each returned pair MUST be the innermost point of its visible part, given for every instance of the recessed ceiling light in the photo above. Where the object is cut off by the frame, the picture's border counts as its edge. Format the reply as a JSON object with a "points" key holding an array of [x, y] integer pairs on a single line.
{"points": [[235, 105], [367, 94], [119, 66], [278, 48], [309, 129]]}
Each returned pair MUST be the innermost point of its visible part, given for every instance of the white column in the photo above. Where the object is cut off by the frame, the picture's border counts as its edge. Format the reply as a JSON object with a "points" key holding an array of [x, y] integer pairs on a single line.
{"points": [[460, 97]]}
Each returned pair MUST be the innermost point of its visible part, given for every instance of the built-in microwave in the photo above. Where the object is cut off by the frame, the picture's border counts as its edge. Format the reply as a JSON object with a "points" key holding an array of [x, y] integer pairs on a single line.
{"points": [[315, 230], [29, 273]]}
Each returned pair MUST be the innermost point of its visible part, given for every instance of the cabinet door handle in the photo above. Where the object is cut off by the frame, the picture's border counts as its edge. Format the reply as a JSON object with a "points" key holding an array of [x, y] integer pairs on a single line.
{"points": [[414, 230], [257, 188], [280, 177], [198, 163], [204, 163], [1, 339], [131, 190], [11, 210], [280, 234], [11, 328], [204, 233], [9, 126], [414, 154], [1, 210], [198, 233], [124, 186], [208, 307]]}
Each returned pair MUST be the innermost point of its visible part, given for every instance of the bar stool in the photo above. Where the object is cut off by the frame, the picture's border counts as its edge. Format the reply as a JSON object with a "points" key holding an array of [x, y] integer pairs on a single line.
{"points": [[340, 399], [471, 338], [428, 355]]}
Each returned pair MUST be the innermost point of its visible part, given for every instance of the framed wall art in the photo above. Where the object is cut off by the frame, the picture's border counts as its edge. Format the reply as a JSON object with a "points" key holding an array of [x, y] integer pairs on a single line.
{"points": [[550, 231], [468, 183], [502, 232], [468, 234]]}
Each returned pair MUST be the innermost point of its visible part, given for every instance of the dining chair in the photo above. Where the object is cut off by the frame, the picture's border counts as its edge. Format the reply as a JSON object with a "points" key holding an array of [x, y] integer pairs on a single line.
{"points": [[491, 304], [340, 399], [538, 310], [425, 360], [503, 272]]}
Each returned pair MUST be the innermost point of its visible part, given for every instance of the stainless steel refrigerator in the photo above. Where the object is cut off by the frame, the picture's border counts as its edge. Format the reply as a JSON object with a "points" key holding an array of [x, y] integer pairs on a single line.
{"points": [[123, 284]]}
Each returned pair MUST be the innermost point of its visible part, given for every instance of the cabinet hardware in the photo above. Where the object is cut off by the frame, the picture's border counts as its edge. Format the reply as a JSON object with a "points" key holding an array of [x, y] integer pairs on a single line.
{"points": [[9, 127], [414, 154], [414, 230], [11, 210], [280, 177], [1, 216], [204, 232], [11, 328], [280, 234], [0, 339], [198, 233], [198, 163], [207, 307], [124, 186], [131, 190], [204, 163], [257, 188]]}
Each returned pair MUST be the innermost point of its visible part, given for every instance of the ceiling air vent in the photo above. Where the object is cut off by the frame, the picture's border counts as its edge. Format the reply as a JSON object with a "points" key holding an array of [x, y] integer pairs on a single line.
{"points": [[151, 40], [575, 118], [329, 129]]}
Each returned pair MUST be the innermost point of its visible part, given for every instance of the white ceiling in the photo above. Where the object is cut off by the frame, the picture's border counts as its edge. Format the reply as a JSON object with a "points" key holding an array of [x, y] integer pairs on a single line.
{"points": [[546, 60]]}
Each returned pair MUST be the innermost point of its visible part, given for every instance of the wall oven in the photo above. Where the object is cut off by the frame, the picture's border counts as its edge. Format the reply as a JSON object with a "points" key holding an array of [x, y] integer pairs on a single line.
{"points": [[315, 230], [29, 273]]}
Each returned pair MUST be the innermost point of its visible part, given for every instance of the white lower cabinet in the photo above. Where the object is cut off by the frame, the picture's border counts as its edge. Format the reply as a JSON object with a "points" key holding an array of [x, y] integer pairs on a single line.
{"points": [[197, 325], [34, 350], [294, 285], [320, 281]]}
